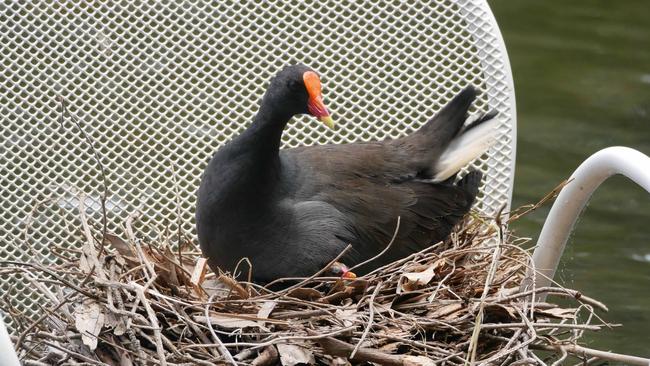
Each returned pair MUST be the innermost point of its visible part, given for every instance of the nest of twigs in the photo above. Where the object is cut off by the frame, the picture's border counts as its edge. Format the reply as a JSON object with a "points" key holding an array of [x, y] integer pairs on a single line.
{"points": [[136, 301]]}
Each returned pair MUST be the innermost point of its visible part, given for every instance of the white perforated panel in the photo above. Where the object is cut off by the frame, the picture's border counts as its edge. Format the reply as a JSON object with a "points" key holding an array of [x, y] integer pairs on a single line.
{"points": [[161, 85]]}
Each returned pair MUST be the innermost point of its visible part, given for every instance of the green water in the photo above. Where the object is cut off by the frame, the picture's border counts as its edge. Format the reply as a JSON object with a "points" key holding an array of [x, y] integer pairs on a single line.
{"points": [[582, 79]]}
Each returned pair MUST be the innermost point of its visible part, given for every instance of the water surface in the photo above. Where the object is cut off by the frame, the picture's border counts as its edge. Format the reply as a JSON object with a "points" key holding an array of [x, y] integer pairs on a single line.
{"points": [[582, 79]]}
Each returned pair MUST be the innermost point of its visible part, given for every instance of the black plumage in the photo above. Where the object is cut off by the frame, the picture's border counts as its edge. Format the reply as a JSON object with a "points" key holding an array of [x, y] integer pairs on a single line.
{"points": [[292, 211]]}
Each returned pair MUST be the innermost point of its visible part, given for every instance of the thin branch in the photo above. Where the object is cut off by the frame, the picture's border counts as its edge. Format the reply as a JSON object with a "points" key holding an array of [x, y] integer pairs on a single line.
{"points": [[63, 113], [390, 244], [371, 317], [224, 351], [305, 281], [590, 352]]}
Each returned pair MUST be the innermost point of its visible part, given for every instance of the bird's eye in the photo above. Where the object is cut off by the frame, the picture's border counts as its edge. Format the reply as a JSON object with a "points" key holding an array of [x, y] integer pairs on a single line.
{"points": [[296, 84]]}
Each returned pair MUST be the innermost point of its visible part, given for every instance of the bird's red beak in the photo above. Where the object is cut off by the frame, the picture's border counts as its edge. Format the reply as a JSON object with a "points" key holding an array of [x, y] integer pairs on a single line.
{"points": [[348, 275], [315, 104]]}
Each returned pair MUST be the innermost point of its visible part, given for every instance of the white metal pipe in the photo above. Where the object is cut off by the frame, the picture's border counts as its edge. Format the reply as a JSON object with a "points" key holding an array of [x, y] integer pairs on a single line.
{"points": [[575, 195], [8, 355]]}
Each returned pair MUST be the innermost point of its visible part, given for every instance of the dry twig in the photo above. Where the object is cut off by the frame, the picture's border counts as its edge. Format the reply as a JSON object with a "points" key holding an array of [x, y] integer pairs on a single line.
{"points": [[453, 302]]}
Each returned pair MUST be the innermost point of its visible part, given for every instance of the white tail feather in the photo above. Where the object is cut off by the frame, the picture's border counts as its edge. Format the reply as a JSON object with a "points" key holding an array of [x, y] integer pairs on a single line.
{"points": [[465, 148]]}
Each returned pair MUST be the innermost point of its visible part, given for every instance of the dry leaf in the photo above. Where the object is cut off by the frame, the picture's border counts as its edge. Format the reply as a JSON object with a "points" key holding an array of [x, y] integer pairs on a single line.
{"points": [[558, 313], [84, 265], [118, 323], [198, 274], [188, 263], [171, 267], [445, 311], [337, 296], [340, 291], [234, 285], [338, 286], [340, 361], [229, 322], [119, 245], [390, 347], [357, 287], [125, 359], [305, 293], [347, 316], [291, 355], [418, 361], [113, 356], [213, 286], [88, 261], [266, 309], [502, 311], [89, 320], [269, 356], [412, 280]]}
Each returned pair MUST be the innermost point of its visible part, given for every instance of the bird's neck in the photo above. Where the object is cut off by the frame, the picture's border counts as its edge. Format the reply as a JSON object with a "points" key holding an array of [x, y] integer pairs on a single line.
{"points": [[265, 133], [257, 151]]}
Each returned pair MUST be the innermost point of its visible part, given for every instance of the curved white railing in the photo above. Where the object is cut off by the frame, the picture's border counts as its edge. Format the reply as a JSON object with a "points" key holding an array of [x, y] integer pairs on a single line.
{"points": [[575, 195], [7, 354]]}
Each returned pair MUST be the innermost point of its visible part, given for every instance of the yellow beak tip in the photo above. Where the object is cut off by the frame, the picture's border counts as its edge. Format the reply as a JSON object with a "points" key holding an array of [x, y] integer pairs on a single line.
{"points": [[328, 121]]}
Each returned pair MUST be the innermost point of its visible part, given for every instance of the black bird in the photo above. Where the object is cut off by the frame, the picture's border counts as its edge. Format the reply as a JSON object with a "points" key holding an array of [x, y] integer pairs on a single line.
{"points": [[292, 211]]}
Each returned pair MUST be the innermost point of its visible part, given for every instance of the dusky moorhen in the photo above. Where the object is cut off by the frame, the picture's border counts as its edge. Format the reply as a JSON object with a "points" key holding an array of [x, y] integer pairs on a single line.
{"points": [[292, 211]]}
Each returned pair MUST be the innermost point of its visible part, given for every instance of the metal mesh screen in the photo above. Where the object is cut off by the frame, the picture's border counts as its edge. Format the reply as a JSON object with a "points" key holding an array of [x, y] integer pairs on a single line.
{"points": [[159, 86]]}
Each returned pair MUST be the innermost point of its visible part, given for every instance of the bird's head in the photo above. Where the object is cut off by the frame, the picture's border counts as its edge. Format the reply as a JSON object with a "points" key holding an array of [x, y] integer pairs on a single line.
{"points": [[338, 269], [297, 90]]}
